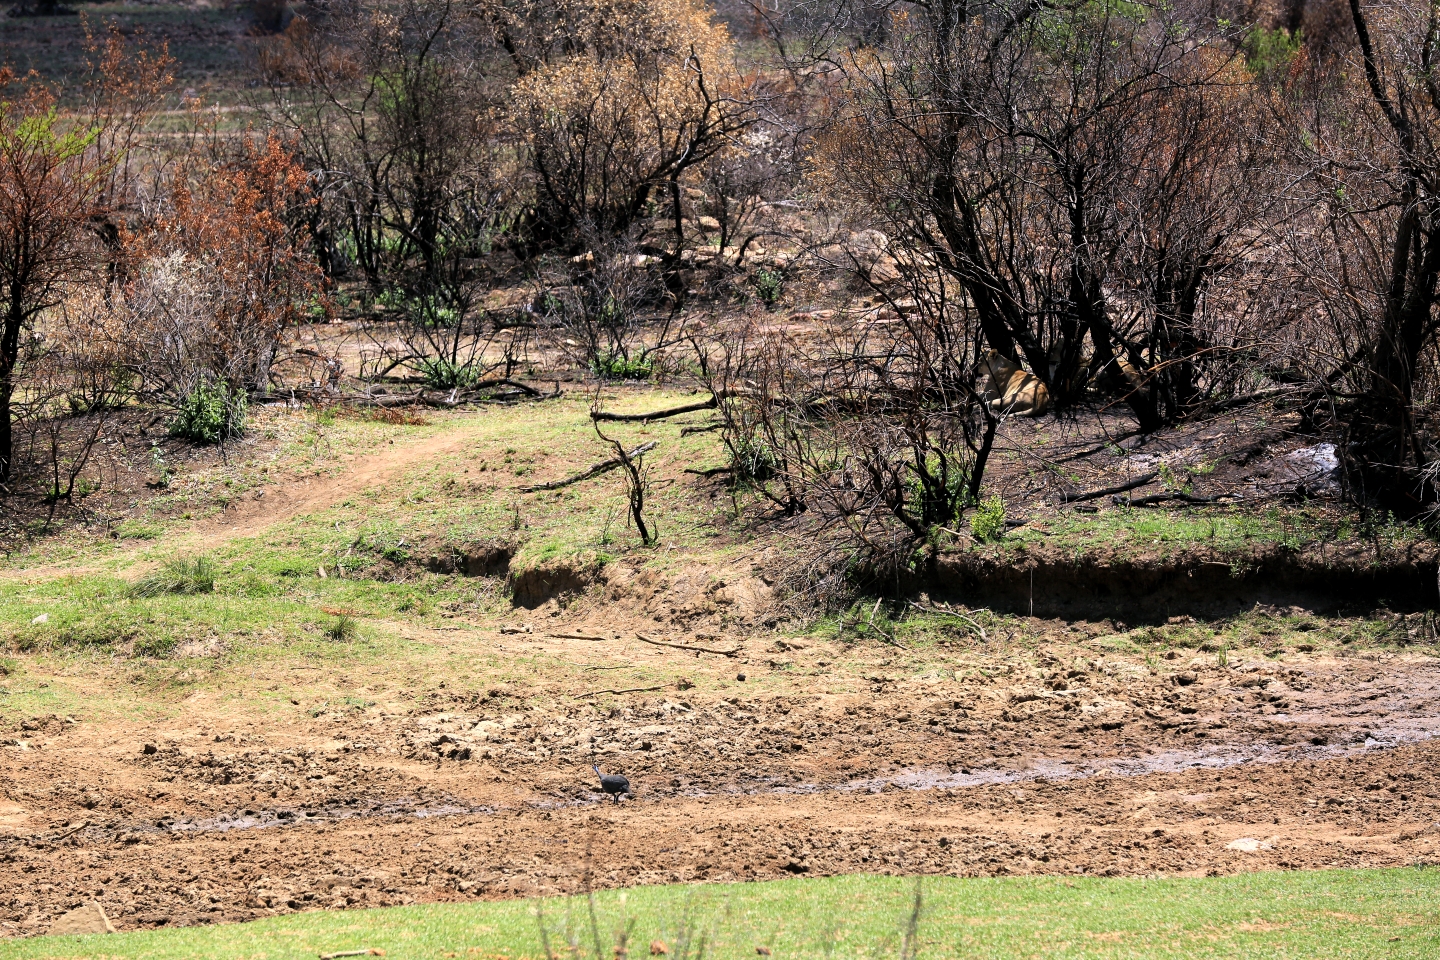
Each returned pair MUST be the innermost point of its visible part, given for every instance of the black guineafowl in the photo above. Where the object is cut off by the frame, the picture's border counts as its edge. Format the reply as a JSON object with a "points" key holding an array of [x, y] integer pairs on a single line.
{"points": [[613, 783]]}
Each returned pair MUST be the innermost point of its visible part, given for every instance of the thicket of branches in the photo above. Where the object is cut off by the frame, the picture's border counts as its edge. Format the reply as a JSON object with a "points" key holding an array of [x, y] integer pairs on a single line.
{"points": [[1162, 207]]}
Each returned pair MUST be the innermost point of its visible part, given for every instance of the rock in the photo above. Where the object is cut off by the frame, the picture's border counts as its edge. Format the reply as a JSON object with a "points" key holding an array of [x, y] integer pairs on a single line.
{"points": [[1319, 469], [149, 748], [1247, 845], [884, 272], [89, 918], [708, 223], [658, 948], [740, 677], [43, 618]]}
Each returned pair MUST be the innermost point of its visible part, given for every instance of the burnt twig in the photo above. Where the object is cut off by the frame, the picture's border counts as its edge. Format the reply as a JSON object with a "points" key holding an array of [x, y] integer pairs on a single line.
{"points": [[596, 693], [685, 646], [710, 404]]}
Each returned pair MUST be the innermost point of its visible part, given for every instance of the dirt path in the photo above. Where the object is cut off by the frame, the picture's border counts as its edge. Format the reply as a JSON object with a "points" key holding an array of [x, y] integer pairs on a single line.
{"points": [[297, 496], [1126, 768], [283, 500]]}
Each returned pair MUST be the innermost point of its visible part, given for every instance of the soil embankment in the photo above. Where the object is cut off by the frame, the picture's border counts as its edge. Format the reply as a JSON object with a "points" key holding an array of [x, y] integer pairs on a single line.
{"points": [[1200, 582]]}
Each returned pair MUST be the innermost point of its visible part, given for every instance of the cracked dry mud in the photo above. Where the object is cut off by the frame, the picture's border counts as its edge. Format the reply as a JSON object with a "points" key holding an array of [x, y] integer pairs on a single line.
{"points": [[1063, 763]]}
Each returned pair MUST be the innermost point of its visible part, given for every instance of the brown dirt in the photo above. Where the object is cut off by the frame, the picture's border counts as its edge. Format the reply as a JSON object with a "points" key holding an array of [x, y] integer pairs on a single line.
{"points": [[1061, 762]]}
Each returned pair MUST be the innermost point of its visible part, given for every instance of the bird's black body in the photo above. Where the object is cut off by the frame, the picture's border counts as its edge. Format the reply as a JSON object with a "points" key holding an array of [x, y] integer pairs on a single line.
{"points": [[613, 783]]}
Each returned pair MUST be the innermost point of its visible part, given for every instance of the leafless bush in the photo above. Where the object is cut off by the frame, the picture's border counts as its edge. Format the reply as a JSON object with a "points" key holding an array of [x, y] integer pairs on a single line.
{"points": [[176, 340], [637, 482], [1083, 174], [1366, 248], [609, 309], [876, 440], [763, 384], [637, 96], [76, 379], [396, 116]]}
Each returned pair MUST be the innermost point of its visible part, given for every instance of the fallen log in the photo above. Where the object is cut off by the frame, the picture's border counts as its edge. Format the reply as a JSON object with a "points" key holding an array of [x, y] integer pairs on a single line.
{"points": [[1109, 491], [454, 398], [1156, 498], [710, 404]]}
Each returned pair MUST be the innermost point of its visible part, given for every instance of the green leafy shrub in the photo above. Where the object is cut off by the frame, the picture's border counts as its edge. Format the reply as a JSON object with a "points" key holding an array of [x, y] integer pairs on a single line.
{"points": [[210, 412], [940, 499], [196, 575], [442, 374], [769, 286], [1173, 480], [433, 313], [615, 366], [1268, 52], [987, 523], [751, 460]]}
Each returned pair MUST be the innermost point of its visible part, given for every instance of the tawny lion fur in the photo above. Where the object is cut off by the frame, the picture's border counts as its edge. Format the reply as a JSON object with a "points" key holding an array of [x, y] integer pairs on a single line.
{"points": [[1011, 389]]}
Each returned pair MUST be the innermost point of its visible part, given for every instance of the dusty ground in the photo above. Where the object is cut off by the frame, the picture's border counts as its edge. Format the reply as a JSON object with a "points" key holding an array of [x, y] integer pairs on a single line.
{"points": [[228, 800], [1057, 762], [1044, 746]]}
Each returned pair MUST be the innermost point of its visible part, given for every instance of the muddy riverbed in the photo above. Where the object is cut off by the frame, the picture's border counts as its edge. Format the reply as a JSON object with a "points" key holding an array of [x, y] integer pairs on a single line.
{"points": [[1064, 763]]}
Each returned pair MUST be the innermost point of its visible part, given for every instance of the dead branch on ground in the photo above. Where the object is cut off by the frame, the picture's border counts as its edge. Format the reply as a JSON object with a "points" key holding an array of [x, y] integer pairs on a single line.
{"points": [[604, 466]]}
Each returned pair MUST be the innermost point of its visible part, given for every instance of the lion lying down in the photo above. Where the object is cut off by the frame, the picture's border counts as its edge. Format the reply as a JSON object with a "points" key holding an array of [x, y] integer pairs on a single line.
{"points": [[1011, 389]]}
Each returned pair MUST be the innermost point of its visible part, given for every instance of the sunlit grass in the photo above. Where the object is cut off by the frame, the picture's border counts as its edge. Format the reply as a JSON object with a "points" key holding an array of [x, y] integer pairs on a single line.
{"points": [[1341, 913]]}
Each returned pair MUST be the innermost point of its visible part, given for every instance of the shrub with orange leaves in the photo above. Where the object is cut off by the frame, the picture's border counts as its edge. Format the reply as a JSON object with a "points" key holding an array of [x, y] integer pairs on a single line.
{"points": [[225, 273], [65, 182]]}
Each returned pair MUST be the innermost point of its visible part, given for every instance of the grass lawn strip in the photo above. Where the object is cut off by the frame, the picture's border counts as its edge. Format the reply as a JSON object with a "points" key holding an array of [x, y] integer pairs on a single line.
{"points": [[1339, 913]]}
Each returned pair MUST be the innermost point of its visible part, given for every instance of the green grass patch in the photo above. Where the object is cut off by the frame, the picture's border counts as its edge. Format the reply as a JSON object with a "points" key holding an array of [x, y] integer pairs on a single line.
{"points": [[137, 530], [183, 575], [1340, 913], [1132, 531]]}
